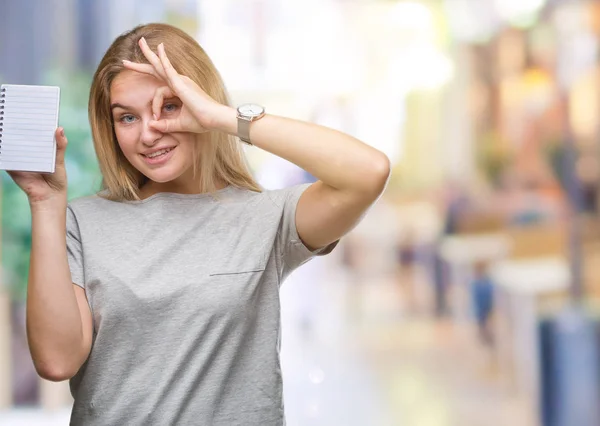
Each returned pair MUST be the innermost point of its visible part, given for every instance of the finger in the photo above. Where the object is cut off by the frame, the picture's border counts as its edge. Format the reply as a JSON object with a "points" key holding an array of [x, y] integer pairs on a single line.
{"points": [[167, 125], [173, 76], [61, 145], [159, 98], [152, 58], [143, 68]]}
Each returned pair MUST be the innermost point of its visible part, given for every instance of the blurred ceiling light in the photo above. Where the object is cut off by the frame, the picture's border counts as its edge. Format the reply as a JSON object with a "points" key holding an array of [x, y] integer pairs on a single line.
{"points": [[420, 67], [411, 15], [521, 13], [471, 20]]}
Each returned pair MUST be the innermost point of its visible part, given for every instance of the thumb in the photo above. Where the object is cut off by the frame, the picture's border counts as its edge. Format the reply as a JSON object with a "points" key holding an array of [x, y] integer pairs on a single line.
{"points": [[167, 125], [61, 145]]}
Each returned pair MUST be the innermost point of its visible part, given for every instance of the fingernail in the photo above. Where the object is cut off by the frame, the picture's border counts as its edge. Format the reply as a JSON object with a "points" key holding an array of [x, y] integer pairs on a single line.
{"points": [[125, 61], [62, 131], [154, 116], [143, 40]]}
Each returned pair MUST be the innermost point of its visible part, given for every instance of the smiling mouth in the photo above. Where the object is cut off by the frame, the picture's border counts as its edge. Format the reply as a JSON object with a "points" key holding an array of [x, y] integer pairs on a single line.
{"points": [[158, 154]]}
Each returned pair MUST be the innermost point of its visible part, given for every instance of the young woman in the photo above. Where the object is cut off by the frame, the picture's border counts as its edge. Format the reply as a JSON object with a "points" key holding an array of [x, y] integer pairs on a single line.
{"points": [[162, 308]]}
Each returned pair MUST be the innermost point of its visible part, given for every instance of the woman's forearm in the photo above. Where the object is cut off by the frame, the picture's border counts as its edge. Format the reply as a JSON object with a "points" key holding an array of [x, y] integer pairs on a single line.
{"points": [[54, 327], [338, 160]]}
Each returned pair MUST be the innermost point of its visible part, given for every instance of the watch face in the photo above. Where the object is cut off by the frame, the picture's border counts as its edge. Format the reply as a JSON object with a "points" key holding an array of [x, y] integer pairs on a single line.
{"points": [[251, 110]]}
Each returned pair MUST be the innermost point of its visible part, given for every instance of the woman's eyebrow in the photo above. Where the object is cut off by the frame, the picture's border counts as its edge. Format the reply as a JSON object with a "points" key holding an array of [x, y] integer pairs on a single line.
{"points": [[118, 105]]}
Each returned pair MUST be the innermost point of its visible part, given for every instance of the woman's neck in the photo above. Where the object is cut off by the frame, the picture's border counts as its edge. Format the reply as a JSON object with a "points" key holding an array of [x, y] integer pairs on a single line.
{"points": [[150, 188]]}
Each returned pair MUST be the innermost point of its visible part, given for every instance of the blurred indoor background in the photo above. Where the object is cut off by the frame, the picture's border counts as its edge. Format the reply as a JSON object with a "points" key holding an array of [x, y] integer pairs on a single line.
{"points": [[468, 295]]}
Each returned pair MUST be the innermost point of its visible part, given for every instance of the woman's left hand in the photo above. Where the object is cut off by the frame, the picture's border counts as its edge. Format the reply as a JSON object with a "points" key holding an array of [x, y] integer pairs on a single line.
{"points": [[199, 111]]}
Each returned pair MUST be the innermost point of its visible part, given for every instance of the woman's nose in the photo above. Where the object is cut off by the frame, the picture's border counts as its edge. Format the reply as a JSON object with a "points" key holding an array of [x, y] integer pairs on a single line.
{"points": [[149, 135]]}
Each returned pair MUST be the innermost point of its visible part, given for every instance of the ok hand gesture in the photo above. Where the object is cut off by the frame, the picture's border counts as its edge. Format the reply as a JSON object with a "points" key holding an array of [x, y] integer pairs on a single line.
{"points": [[199, 111]]}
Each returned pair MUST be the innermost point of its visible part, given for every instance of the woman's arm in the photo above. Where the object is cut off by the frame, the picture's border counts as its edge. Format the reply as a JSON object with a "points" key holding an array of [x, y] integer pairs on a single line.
{"points": [[59, 321], [352, 175]]}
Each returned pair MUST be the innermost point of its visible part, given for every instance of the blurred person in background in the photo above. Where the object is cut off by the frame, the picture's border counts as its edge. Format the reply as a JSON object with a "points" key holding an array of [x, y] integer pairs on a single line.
{"points": [[163, 305], [482, 298], [455, 205], [406, 258]]}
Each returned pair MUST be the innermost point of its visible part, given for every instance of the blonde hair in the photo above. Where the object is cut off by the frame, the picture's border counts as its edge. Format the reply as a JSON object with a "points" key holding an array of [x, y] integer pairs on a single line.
{"points": [[219, 158]]}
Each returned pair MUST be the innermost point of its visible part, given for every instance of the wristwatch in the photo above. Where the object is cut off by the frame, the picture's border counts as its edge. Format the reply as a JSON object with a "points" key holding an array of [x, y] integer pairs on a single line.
{"points": [[246, 114]]}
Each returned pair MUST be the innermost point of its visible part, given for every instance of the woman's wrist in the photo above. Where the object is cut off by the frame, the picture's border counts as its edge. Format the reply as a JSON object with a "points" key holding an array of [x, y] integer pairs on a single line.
{"points": [[52, 203], [49, 213], [225, 120]]}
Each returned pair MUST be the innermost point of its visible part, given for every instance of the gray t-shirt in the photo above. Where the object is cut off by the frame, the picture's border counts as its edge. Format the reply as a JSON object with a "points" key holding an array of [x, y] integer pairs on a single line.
{"points": [[184, 293]]}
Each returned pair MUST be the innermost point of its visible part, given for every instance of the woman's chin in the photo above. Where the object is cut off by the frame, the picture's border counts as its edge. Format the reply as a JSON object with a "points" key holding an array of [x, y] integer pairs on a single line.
{"points": [[162, 176]]}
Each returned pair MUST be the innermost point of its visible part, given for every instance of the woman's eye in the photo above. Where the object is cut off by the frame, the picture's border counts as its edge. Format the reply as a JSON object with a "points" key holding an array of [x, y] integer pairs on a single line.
{"points": [[170, 108], [127, 119]]}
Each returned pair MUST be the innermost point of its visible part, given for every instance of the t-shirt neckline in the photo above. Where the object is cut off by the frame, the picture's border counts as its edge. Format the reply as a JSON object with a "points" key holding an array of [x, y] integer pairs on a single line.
{"points": [[180, 196]]}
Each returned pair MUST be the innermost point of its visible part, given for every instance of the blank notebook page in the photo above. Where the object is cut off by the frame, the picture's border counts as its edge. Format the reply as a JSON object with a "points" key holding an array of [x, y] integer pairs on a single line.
{"points": [[28, 120]]}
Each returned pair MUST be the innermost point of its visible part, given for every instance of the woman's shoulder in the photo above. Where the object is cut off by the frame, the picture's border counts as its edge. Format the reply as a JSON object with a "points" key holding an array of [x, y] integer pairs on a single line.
{"points": [[92, 202], [281, 196], [268, 203], [277, 196]]}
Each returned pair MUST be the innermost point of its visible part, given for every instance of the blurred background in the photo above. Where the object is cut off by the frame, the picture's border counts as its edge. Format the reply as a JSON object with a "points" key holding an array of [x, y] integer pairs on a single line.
{"points": [[468, 294]]}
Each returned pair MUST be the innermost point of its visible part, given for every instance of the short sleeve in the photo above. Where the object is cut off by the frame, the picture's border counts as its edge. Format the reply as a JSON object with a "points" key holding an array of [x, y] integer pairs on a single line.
{"points": [[293, 251], [74, 248]]}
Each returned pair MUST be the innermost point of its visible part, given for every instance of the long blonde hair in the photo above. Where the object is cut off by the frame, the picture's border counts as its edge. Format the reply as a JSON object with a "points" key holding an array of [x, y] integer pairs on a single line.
{"points": [[219, 158]]}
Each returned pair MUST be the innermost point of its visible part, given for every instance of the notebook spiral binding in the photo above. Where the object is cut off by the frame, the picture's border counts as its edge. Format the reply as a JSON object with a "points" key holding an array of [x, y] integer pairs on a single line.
{"points": [[2, 96]]}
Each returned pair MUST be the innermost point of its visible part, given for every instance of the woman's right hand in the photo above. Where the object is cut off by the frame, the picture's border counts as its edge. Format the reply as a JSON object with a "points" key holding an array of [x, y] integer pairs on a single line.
{"points": [[46, 187]]}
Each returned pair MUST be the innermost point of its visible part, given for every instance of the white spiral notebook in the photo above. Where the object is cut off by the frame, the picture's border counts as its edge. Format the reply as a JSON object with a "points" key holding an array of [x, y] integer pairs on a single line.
{"points": [[28, 120]]}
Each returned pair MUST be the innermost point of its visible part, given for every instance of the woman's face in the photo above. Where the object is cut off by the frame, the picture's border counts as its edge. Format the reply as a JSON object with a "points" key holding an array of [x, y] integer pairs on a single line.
{"points": [[164, 158]]}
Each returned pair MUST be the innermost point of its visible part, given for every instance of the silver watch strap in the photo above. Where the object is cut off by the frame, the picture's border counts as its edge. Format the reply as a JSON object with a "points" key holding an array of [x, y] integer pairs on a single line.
{"points": [[244, 130]]}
